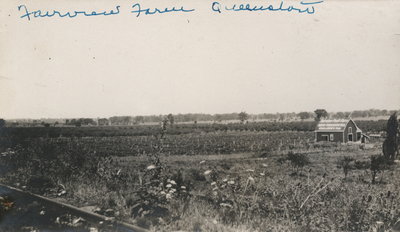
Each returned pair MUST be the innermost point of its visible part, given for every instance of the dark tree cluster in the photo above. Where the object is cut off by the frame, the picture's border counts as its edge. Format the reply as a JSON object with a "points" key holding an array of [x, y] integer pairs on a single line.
{"points": [[390, 145]]}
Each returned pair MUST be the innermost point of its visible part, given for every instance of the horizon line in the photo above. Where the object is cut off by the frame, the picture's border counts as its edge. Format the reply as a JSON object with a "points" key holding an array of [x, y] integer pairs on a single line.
{"points": [[212, 114]]}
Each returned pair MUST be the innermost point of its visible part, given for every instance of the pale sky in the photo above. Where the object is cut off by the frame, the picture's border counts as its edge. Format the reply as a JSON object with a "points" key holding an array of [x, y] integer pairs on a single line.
{"points": [[344, 57]]}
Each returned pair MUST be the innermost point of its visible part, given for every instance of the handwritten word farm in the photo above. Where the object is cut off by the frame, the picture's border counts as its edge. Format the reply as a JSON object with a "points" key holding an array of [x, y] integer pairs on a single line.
{"points": [[138, 9]]}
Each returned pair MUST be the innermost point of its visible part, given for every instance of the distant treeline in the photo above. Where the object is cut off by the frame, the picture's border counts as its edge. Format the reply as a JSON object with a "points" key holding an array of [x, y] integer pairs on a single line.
{"points": [[155, 130], [372, 126], [193, 118], [180, 118]]}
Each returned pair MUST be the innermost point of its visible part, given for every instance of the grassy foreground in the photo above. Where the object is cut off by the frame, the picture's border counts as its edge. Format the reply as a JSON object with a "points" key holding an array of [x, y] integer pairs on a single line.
{"points": [[301, 187]]}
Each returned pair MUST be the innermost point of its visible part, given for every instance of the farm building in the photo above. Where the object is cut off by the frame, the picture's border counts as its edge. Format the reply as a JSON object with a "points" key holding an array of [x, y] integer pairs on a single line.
{"points": [[339, 131]]}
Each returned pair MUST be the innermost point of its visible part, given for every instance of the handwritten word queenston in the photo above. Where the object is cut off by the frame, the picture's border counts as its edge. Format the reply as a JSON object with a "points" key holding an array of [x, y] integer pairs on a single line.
{"points": [[148, 11], [304, 7], [68, 14]]}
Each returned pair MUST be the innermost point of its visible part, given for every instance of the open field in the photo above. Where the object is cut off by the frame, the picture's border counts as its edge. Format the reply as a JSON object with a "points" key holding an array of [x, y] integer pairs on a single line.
{"points": [[18, 133], [186, 144], [220, 181]]}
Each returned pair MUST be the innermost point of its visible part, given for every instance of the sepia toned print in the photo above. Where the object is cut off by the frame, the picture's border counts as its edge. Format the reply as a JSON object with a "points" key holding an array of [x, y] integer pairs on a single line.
{"points": [[265, 115]]}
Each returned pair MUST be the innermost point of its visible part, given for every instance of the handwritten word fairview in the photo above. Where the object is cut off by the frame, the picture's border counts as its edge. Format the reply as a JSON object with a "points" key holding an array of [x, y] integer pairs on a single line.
{"points": [[137, 9]]}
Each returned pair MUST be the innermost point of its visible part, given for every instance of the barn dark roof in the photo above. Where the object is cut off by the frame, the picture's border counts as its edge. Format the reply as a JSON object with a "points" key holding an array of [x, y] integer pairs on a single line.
{"points": [[334, 125]]}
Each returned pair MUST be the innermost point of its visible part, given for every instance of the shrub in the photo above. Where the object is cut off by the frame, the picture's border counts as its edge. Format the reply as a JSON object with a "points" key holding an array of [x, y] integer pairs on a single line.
{"points": [[298, 160], [378, 164], [346, 165]]}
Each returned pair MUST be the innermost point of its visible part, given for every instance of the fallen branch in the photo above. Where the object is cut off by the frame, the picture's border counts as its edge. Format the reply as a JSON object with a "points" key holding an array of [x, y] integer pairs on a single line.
{"points": [[313, 194]]}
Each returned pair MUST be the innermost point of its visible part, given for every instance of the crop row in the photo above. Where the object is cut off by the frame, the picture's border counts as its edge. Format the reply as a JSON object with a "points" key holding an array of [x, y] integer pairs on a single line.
{"points": [[187, 144]]}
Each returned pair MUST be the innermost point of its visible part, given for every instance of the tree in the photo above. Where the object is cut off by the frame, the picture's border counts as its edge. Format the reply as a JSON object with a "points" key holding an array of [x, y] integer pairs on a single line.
{"points": [[339, 115], [164, 124], [171, 119], [345, 163], [298, 160], [320, 113], [139, 119], [390, 145], [243, 116], [378, 164], [304, 115], [347, 114], [281, 117], [2, 123], [217, 118]]}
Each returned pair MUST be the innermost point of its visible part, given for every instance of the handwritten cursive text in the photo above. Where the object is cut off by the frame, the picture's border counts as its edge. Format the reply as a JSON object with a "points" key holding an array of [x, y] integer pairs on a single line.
{"points": [[304, 7], [70, 14], [148, 11]]}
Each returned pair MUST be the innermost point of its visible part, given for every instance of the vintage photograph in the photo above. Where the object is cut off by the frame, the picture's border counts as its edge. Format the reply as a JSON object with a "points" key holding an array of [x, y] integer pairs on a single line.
{"points": [[200, 116]]}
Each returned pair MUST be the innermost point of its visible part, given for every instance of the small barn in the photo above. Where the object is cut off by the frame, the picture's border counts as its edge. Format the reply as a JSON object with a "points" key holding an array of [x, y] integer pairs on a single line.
{"points": [[339, 131]]}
